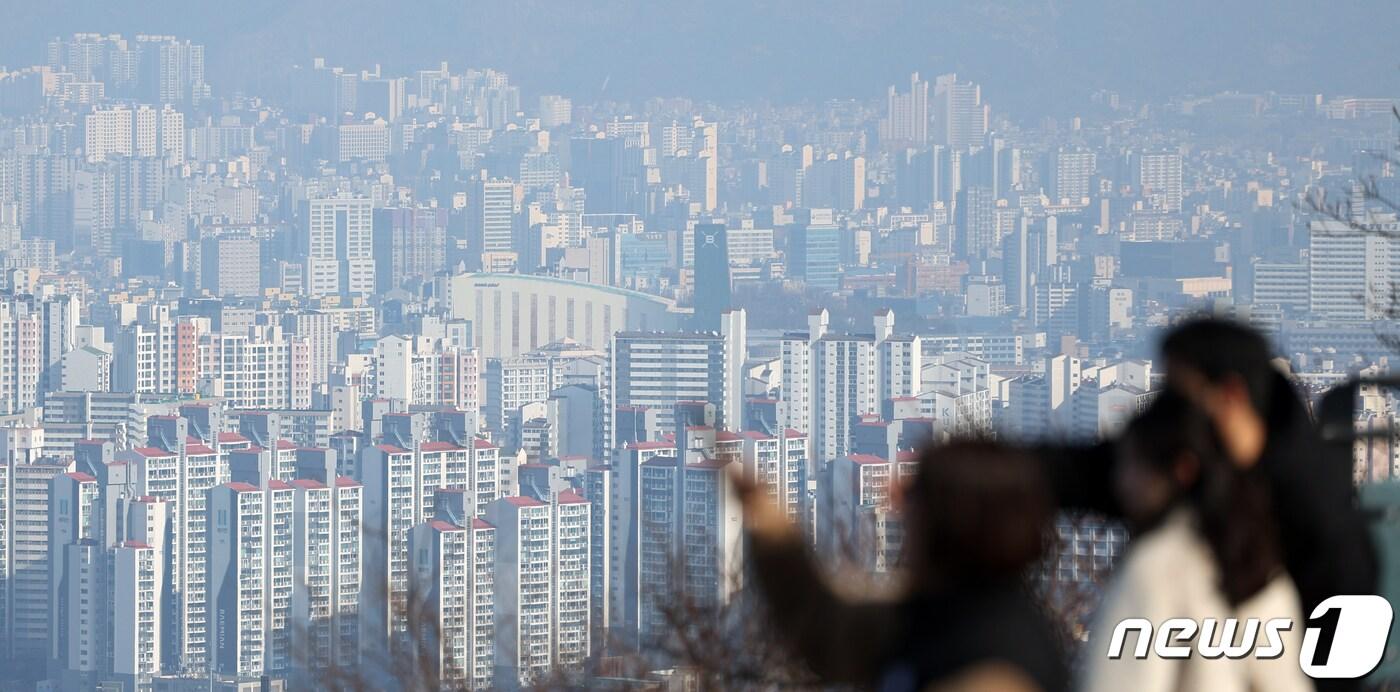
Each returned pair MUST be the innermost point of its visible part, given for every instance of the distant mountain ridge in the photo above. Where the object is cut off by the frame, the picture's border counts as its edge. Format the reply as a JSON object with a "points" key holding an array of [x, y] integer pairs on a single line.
{"points": [[1029, 54]]}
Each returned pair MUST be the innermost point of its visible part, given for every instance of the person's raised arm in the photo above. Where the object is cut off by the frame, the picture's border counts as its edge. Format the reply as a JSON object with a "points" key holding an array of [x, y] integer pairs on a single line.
{"points": [[838, 640]]}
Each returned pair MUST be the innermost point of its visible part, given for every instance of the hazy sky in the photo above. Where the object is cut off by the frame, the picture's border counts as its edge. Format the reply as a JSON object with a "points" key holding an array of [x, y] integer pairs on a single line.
{"points": [[1025, 52]]}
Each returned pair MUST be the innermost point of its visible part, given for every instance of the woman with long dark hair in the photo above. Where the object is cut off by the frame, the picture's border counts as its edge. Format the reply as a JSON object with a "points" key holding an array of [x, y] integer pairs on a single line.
{"points": [[1224, 369], [1206, 548]]}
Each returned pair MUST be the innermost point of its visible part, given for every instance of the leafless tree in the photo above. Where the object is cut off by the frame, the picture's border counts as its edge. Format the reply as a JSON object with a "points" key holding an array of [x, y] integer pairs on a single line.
{"points": [[1348, 210]]}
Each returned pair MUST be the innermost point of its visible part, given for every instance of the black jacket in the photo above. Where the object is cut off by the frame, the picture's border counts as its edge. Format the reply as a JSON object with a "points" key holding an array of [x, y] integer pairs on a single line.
{"points": [[906, 644]]}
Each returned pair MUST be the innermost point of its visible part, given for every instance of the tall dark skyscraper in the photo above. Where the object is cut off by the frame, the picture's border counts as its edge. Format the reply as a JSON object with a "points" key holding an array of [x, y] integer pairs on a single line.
{"points": [[610, 171], [713, 291]]}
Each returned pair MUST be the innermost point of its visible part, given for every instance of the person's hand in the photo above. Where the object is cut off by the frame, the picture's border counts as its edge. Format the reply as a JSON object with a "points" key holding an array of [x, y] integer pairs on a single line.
{"points": [[762, 518], [1243, 432]]}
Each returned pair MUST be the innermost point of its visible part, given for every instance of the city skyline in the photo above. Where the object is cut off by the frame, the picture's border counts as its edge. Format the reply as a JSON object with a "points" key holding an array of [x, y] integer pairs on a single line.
{"points": [[436, 371]]}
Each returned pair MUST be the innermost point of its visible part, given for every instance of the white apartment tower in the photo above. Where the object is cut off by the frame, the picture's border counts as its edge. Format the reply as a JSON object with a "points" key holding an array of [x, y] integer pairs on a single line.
{"points": [[327, 543], [598, 490], [831, 379], [423, 371], [572, 579], [658, 369], [524, 596], [400, 492], [138, 571], [494, 216], [25, 489], [74, 567], [961, 115], [1159, 177], [144, 352], [107, 132], [250, 569], [659, 555], [452, 577], [779, 464], [339, 246], [21, 362], [180, 473], [907, 116], [712, 530]]}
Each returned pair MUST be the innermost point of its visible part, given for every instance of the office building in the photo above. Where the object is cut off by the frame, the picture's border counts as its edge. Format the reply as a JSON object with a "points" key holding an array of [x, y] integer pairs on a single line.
{"points": [[231, 265], [814, 251], [1350, 273], [713, 290], [493, 217]]}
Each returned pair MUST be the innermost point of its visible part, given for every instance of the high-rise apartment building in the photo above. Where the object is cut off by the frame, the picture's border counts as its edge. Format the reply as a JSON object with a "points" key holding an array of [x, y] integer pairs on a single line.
{"points": [[250, 570], [144, 133], [144, 352], [401, 491], [22, 355], [422, 371], [339, 246], [452, 578], [960, 113], [263, 369], [657, 370], [976, 222], [907, 117], [136, 583], [1158, 176], [327, 547], [493, 212], [75, 568], [855, 522], [1071, 173], [172, 70], [524, 589], [24, 523], [174, 470], [831, 379], [572, 577], [555, 111]]}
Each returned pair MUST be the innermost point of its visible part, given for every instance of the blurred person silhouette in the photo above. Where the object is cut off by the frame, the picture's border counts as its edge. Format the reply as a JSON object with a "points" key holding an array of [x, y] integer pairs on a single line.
{"points": [[1225, 369], [976, 516], [1205, 548]]}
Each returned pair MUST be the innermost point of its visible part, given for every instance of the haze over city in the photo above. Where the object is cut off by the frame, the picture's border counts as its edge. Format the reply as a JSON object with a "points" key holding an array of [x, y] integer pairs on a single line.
{"points": [[508, 345]]}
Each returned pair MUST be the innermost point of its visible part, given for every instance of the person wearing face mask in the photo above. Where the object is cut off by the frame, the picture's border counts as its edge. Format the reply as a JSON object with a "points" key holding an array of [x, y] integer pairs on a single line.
{"points": [[1205, 547], [1225, 370]]}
